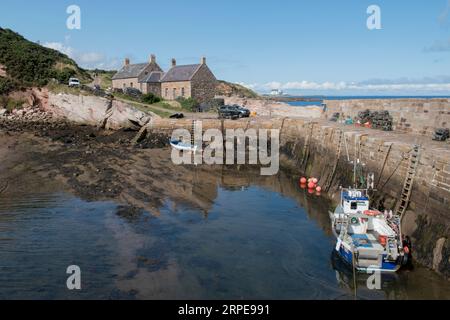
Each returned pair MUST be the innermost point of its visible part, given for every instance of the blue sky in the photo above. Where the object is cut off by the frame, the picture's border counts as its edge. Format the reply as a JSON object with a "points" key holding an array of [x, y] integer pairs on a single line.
{"points": [[300, 46]]}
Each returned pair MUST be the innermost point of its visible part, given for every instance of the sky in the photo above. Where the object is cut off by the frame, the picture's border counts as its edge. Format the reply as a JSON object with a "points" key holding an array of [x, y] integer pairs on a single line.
{"points": [[300, 46]]}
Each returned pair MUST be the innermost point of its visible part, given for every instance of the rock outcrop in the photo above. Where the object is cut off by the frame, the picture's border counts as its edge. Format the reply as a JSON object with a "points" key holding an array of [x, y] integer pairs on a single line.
{"points": [[42, 105]]}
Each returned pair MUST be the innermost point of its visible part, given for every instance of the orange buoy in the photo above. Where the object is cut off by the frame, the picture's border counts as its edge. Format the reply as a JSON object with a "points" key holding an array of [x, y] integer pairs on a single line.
{"points": [[303, 185], [303, 180], [372, 213], [383, 240], [310, 191], [319, 189]]}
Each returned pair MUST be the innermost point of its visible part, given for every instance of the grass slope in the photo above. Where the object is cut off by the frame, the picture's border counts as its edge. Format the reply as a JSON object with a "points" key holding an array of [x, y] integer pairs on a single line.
{"points": [[29, 64]]}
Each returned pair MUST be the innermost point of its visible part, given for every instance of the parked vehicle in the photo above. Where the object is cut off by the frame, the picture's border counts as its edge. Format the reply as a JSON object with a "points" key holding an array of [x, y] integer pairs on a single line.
{"points": [[229, 112], [244, 113], [441, 134], [132, 92], [74, 82], [177, 116]]}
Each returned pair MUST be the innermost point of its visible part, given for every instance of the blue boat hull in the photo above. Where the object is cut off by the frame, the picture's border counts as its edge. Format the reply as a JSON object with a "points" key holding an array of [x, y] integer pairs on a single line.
{"points": [[386, 266]]}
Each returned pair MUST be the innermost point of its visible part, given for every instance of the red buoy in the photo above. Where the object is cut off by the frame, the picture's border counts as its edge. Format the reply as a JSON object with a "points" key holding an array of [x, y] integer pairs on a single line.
{"points": [[303, 180], [315, 180], [319, 189], [311, 185]]}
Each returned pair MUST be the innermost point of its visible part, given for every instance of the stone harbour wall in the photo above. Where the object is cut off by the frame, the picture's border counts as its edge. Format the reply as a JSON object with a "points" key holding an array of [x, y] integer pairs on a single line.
{"points": [[420, 116], [312, 148]]}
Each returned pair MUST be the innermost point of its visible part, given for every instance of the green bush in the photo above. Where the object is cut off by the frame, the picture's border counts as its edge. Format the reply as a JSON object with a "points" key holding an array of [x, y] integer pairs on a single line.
{"points": [[150, 98], [11, 104], [189, 104], [7, 85], [64, 75]]}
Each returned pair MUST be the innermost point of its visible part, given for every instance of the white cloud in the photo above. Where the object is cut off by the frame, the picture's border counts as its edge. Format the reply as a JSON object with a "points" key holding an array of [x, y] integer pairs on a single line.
{"points": [[443, 17], [60, 47], [87, 60], [437, 84]]}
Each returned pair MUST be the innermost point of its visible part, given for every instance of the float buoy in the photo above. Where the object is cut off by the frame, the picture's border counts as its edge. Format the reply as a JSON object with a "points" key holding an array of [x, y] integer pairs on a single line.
{"points": [[372, 213], [303, 180], [315, 181], [311, 185], [319, 189]]}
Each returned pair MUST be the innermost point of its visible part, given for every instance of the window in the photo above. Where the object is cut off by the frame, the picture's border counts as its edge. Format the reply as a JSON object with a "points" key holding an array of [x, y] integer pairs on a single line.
{"points": [[166, 93], [354, 205], [174, 93], [131, 84], [124, 85], [182, 92]]}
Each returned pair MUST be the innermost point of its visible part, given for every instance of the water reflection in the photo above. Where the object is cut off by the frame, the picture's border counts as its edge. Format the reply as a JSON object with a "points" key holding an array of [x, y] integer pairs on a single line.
{"points": [[222, 233]]}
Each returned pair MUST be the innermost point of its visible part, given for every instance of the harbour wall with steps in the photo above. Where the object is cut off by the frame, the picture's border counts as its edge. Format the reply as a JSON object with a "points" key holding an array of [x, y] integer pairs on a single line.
{"points": [[311, 148]]}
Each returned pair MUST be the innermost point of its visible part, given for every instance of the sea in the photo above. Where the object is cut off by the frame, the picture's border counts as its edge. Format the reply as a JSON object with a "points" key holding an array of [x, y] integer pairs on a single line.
{"points": [[318, 100]]}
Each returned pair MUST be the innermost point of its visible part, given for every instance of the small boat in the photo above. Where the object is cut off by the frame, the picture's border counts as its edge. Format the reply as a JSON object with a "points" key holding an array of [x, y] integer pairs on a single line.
{"points": [[367, 239], [183, 146]]}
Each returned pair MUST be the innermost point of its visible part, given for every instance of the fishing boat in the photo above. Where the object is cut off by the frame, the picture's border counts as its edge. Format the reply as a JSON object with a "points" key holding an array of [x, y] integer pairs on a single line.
{"points": [[367, 240], [183, 146]]}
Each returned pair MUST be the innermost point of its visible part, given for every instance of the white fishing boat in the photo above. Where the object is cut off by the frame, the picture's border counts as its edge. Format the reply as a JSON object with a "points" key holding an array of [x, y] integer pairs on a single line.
{"points": [[183, 146], [367, 239]]}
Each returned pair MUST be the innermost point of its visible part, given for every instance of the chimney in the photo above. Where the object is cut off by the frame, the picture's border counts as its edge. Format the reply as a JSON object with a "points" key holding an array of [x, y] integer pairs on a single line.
{"points": [[174, 63], [152, 58], [127, 62], [203, 60]]}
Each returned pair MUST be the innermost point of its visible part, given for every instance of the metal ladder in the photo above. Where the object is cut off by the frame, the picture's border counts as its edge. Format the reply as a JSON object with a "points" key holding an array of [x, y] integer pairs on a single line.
{"points": [[330, 178], [306, 151], [194, 124], [409, 181]]}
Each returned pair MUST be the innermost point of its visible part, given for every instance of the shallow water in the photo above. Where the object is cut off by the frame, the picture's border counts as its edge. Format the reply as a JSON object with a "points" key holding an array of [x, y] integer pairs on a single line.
{"points": [[259, 239]]}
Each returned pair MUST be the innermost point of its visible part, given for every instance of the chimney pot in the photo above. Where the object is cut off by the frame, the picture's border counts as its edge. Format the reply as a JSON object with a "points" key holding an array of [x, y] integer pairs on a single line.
{"points": [[152, 58], [127, 61], [203, 60], [174, 62]]}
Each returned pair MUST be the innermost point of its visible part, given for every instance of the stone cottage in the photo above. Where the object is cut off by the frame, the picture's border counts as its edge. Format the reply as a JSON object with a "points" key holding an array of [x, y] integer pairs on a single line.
{"points": [[188, 81], [139, 76]]}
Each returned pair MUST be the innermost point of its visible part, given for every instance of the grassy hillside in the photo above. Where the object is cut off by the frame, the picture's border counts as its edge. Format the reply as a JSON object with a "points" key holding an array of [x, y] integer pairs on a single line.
{"points": [[232, 89], [29, 64]]}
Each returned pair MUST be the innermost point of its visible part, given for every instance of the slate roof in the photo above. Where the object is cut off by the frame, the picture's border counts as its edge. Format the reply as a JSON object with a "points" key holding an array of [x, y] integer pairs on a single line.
{"points": [[181, 73], [130, 71], [153, 77]]}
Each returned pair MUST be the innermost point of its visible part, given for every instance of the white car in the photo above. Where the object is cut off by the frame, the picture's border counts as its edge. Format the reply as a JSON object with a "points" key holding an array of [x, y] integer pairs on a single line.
{"points": [[74, 82]]}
